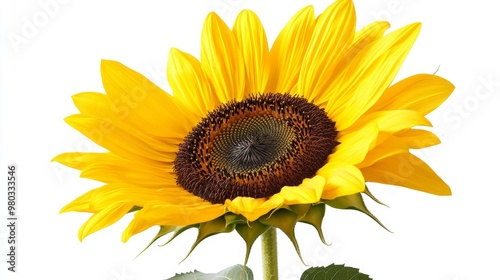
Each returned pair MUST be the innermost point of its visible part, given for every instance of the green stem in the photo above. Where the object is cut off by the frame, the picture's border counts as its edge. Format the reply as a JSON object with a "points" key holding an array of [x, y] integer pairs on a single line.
{"points": [[270, 254]]}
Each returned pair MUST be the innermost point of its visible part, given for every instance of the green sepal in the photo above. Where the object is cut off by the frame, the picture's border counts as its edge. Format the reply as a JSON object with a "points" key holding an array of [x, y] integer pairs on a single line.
{"points": [[232, 218], [134, 208], [164, 230], [178, 232], [210, 228], [355, 202], [314, 217], [285, 220], [300, 209], [249, 232], [370, 195]]}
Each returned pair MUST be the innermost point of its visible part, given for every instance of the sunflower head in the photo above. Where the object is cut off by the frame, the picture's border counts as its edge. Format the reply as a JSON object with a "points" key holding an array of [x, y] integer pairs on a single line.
{"points": [[252, 137]]}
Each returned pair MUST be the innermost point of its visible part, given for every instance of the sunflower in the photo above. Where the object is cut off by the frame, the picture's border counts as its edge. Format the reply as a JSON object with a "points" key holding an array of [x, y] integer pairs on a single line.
{"points": [[253, 138]]}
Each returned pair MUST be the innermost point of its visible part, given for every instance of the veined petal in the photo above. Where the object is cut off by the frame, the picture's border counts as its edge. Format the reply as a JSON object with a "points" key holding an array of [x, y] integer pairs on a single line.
{"points": [[251, 37], [189, 83], [115, 139], [80, 204], [308, 192], [103, 218], [368, 76], [330, 39], [341, 179], [100, 198], [138, 174], [138, 196], [417, 138], [158, 213], [80, 160], [368, 34], [288, 51], [99, 106], [142, 103], [221, 59], [109, 168], [392, 121], [408, 171], [354, 146], [362, 39], [95, 104], [422, 93], [254, 208], [390, 146]]}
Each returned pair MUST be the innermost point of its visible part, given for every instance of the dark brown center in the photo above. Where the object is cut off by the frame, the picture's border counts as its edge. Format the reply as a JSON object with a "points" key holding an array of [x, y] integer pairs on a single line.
{"points": [[254, 147]]}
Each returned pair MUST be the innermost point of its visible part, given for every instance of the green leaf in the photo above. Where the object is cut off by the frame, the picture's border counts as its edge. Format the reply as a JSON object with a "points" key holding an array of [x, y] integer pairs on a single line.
{"points": [[236, 272], [334, 272]]}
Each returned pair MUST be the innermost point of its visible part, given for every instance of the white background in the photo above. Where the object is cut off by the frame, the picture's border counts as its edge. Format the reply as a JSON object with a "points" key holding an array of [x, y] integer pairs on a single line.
{"points": [[434, 238]]}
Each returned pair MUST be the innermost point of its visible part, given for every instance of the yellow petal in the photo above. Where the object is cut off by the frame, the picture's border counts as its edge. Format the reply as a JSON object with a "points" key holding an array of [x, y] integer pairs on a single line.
{"points": [[80, 204], [138, 174], [115, 139], [330, 40], [422, 93], [408, 171], [254, 208], [99, 106], [309, 191], [417, 138], [158, 213], [221, 59], [80, 160], [103, 218], [288, 51], [354, 146], [392, 121], [368, 76], [368, 34], [141, 103], [109, 168], [251, 38], [189, 83], [94, 104], [390, 146], [341, 179], [138, 196], [100, 198], [362, 39]]}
